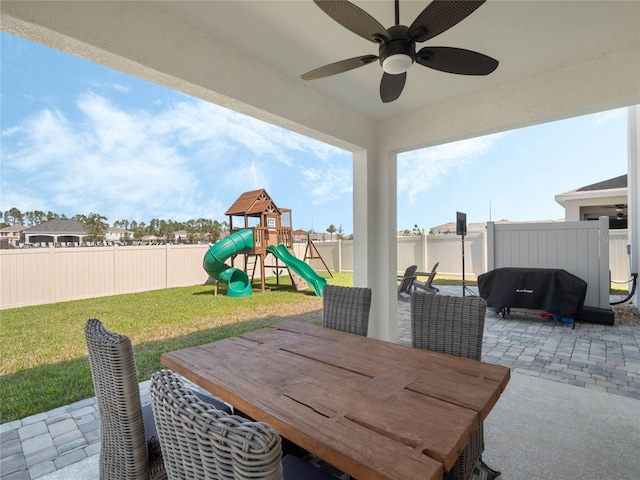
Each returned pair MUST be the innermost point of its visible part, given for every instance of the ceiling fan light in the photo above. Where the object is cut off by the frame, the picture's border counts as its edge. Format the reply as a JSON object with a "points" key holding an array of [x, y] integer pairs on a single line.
{"points": [[397, 64]]}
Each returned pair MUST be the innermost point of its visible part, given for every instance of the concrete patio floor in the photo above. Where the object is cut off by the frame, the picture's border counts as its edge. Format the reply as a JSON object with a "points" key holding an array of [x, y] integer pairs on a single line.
{"points": [[539, 430], [571, 410]]}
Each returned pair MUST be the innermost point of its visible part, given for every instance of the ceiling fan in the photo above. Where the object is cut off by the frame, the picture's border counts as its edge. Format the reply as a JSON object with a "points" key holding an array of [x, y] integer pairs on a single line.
{"points": [[397, 44]]}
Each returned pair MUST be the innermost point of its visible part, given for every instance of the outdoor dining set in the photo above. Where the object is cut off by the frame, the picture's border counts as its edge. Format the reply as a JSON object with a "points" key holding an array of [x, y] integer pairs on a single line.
{"points": [[300, 401]]}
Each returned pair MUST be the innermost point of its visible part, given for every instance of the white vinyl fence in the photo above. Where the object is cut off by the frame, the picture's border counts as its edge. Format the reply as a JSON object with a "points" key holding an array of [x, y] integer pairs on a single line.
{"points": [[48, 275], [580, 248]]}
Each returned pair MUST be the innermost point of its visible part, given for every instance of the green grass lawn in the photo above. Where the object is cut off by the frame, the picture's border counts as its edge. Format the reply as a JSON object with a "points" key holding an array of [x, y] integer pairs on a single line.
{"points": [[43, 363], [43, 356]]}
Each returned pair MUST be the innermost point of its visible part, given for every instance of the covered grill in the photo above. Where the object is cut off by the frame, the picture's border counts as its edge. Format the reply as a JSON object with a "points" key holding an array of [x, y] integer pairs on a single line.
{"points": [[552, 290]]}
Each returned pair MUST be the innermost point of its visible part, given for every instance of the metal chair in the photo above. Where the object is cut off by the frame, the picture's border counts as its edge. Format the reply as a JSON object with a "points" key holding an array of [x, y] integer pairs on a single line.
{"points": [[200, 442], [346, 309], [452, 325], [123, 444]]}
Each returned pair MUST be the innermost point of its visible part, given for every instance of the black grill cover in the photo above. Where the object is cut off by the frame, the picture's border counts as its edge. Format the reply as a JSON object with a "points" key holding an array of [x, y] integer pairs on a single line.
{"points": [[551, 290]]}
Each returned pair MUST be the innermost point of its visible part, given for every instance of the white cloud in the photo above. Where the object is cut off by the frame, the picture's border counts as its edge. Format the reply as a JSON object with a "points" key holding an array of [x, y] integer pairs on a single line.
{"points": [[601, 118], [44, 138], [246, 176], [327, 184], [107, 158], [154, 163], [420, 170], [216, 128]]}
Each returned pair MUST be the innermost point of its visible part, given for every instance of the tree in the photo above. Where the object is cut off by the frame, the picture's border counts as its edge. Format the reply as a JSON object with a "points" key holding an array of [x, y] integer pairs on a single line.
{"points": [[13, 217], [192, 237], [124, 224], [340, 233], [79, 217], [154, 227], [331, 229], [139, 230], [35, 218], [95, 226]]}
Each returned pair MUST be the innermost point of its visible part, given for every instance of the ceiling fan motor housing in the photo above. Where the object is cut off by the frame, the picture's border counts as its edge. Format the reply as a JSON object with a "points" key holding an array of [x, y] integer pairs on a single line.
{"points": [[398, 44]]}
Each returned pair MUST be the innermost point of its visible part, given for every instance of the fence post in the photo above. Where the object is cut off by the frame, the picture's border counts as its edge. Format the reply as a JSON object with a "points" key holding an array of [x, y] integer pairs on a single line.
{"points": [[605, 284], [114, 269], [427, 262], [339, 255], [490, 247], [53, 292]]}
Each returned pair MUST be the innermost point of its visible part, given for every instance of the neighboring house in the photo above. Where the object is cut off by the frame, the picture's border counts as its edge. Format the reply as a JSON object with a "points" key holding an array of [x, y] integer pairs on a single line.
{"points": [[115, 234], [603, 199], [10, 236], [450, 228], [55, 231], [300, 236], [607, 198], [180, 236], [152, 239]]}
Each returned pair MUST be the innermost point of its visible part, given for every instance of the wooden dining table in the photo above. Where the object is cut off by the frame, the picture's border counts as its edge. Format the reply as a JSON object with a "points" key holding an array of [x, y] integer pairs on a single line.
{"points": [[373, 409]]}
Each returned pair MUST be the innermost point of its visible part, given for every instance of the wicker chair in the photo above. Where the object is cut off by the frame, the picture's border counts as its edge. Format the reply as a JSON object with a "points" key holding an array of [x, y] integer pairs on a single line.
{"points": [[123, 449], [452, 325], [200, 442], [129, 444], [346, 309]]}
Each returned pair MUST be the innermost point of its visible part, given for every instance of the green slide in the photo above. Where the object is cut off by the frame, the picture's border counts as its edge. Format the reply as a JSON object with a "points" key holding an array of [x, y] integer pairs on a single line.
{"points": [[305, 272], [236, 279]]}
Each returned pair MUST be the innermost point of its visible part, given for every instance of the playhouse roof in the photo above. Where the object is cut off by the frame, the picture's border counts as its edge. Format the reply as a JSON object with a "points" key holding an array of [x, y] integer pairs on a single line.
{"points": [[253, 203]]}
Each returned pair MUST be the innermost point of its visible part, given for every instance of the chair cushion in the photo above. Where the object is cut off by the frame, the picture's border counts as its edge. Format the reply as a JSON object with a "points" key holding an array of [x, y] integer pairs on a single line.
{"points": [[151, 432], [295, 468]]}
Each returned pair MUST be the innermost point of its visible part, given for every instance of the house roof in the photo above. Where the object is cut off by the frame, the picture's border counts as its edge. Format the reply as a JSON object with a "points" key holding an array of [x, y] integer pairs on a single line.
{"points": [[482, 226], [252, 204], [59, 225], [613, 189], [617, 182], [13, 228]]}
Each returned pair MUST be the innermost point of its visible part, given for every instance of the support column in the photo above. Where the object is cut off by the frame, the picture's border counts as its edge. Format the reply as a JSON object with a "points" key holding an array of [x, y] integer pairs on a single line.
{"points": [[375, 249], [633, 189]]}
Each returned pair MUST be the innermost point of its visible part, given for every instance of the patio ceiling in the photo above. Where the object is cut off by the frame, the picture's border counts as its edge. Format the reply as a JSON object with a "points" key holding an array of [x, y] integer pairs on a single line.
{"points": [[249, 55], [529, 38], [557, 59]]}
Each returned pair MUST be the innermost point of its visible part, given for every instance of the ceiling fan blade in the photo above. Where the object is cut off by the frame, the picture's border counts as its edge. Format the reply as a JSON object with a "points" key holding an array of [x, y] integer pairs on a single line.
{"points": [[456, 60], [391, 86], [339, 67], [354, 18], [439, 16]]}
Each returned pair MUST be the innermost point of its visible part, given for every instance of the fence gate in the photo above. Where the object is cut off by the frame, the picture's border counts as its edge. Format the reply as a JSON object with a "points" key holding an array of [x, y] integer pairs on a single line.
{"points": [[580, 248]]}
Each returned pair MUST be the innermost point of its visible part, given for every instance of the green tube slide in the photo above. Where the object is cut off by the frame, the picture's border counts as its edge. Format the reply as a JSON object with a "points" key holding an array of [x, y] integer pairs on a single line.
{"points": [[213, 263], [302, 269]]}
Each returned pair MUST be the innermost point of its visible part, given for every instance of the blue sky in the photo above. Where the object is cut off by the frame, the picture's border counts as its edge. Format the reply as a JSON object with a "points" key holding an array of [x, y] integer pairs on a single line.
{"points": [[77, 137]]}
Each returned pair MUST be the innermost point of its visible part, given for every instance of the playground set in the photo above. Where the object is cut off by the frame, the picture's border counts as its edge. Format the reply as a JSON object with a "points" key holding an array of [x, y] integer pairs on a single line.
{"points": [[266, 231]]}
